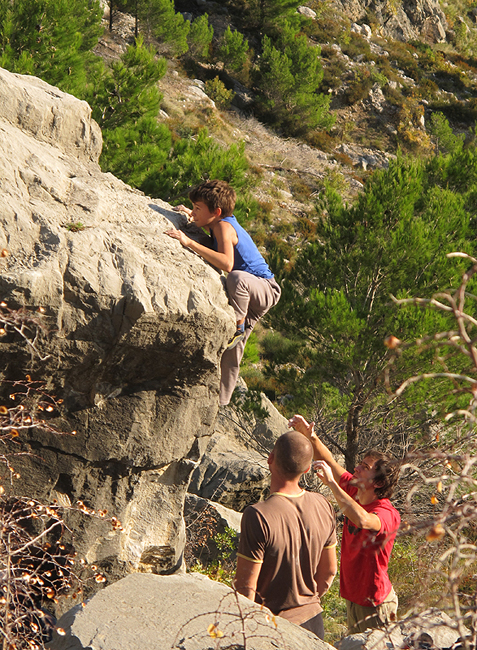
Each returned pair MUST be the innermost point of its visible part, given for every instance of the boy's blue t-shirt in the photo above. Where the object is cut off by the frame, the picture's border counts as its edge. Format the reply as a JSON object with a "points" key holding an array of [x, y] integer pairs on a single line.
{"points": [[247, 257]]}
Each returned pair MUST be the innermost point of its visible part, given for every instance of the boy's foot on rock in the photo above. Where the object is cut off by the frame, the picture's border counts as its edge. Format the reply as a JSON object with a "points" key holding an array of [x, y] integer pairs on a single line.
{"points": [[236, 338]]}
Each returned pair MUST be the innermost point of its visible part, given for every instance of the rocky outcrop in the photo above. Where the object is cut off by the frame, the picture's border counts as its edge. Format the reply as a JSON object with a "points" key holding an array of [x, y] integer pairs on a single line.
{"points": [[189, 612], [404, 21], [233, 470], [431, 628], [137, 327]]}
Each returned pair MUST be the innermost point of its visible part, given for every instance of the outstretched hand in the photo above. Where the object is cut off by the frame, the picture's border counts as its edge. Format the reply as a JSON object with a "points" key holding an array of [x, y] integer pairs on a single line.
{"points": [[178, 234], [184, 209], [323, 471], [299, 423]]}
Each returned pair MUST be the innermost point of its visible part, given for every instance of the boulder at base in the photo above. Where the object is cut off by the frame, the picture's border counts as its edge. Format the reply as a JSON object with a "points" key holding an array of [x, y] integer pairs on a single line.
{"points": [[187, 612]]}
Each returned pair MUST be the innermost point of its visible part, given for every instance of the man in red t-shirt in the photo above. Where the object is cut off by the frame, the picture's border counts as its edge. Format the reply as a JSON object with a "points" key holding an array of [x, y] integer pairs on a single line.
{"points": [[369, 529]]}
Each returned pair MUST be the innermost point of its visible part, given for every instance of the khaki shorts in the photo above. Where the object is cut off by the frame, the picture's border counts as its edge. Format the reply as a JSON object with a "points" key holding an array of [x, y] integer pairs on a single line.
{"points": [[361, 618]]}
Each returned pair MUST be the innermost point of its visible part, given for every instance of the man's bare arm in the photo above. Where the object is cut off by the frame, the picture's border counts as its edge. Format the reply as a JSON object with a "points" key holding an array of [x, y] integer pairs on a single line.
{"points": [[326, 570], [320, 450], [246, 577]]}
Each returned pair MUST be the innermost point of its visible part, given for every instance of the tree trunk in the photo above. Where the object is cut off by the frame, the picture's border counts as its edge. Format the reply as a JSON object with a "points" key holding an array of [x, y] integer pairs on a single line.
{"points": [[353, 430], [111, 15]]}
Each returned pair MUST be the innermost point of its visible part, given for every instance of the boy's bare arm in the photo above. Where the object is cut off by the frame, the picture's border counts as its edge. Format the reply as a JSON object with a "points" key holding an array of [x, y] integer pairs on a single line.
{"points": [[223, 258], [348, 506], [320, 450]]}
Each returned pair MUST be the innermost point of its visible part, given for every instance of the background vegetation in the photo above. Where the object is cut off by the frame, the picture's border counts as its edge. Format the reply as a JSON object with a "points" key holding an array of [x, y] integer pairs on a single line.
{"points": [[351, 265]]}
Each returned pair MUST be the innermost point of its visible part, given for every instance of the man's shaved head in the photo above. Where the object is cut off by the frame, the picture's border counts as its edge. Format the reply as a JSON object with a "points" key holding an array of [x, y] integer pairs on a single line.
{"points": [[293, 454]]}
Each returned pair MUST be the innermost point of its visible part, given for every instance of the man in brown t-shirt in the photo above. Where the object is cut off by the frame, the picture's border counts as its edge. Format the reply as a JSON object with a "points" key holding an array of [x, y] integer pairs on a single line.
{"points": [[287, 551]]}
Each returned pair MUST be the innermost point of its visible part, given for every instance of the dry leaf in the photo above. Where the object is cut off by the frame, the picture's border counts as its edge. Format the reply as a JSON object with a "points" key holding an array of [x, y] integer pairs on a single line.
{"points": [[436, 533], [391, 342]]}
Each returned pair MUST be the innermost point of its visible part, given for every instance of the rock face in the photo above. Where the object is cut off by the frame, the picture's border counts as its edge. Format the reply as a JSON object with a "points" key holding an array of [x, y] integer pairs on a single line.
{"points": [[402, 21], [233, 470], [189, 612], [138, 325], [431, 628]]}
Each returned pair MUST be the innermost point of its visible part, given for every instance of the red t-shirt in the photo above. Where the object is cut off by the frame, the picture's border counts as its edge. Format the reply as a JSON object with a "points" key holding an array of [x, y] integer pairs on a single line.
{"points": [[365, 554]]}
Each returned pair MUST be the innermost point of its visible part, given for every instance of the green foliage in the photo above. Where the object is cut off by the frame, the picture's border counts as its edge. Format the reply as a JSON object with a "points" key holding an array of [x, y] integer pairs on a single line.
{"points": [[128, 91], [393, 241], [444, 137], [217, 91], [251, 354], [168, 26], [266, 16], [125, 106], [359, 87], [133, 152], [233, 50], [51, 40], [200, 37], [289, 76], [193, 160]]}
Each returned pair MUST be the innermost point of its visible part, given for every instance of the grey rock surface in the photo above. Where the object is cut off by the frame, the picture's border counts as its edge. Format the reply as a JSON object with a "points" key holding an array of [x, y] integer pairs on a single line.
{"points": [[441, 628], [205, 520], [149, 612], [233, 469], [137, 323], [404, 21], [306, 11]]}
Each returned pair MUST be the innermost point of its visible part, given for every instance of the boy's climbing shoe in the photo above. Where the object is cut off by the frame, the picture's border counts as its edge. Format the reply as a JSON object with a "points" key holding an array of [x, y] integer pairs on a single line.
{"points": [[236, 338]]}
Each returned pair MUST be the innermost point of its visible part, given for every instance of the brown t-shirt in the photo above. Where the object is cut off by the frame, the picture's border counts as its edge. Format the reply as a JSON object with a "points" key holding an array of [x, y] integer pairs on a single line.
{"points": [[286, 534]]}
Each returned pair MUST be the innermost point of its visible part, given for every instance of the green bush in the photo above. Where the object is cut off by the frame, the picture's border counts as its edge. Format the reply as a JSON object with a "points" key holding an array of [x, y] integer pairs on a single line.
{"points": [[359, 87], [218, 92], [288, 80]]}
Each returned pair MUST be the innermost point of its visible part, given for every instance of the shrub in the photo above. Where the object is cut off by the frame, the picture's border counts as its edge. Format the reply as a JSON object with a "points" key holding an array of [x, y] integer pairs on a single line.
{"points": [[360, 87], [218, 92]]}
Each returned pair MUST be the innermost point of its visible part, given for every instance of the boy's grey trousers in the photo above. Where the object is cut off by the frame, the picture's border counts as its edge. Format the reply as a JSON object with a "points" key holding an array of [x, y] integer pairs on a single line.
{"points": [[252, 297]]}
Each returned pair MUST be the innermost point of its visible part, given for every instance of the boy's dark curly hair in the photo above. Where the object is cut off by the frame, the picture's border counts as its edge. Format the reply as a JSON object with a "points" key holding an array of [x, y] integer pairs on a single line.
{"points": [[387, 471], [215, 194]]}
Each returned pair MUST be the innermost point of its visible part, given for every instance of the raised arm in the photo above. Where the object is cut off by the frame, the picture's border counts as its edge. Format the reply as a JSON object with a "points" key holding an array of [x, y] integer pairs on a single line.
{"points": [[226, 238], [320, 450], [348, 506]]}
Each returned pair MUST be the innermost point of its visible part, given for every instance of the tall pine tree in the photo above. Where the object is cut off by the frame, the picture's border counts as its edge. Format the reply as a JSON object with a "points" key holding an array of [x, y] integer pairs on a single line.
{"points": [[336, 303]]}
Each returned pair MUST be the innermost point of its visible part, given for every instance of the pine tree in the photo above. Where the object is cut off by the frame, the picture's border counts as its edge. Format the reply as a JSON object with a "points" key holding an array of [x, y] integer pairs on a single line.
{"points": [[193, 160], [200, 37], [265, 16], [52, 40], [336, 302], [129, 90], [233, 50], [289, 77]]}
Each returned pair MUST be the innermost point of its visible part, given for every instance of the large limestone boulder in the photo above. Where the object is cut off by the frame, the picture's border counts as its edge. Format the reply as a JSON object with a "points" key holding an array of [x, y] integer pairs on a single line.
{"points": [[137, 328], [189, 612]]}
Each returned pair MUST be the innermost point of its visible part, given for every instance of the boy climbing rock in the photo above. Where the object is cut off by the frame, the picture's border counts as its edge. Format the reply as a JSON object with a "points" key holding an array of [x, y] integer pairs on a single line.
{"points": [[251, 286]]}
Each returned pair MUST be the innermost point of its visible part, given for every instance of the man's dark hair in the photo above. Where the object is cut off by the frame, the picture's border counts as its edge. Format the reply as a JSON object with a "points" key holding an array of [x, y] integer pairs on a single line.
{"points": [[215, 194], [293, 454], [387, 471]]}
